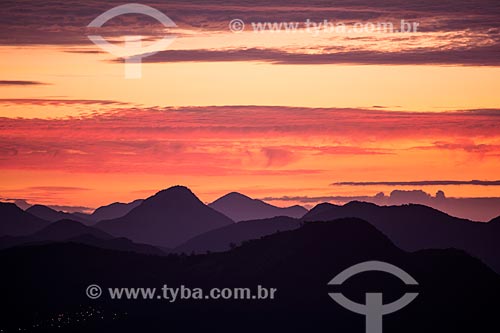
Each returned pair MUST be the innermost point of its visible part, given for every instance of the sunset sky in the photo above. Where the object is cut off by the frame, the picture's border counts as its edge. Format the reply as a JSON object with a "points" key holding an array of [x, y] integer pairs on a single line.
{"points": [[268, 114]]}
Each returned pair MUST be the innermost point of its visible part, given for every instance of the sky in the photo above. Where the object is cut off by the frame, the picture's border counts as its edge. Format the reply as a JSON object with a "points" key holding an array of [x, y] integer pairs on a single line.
{"points": [[309, 113]]}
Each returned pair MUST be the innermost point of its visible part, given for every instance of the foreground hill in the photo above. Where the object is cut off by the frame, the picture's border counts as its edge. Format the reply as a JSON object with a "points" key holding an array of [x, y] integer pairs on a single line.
{"points": [[239, 207], [168, 218], [416, 227], [456, 292]]}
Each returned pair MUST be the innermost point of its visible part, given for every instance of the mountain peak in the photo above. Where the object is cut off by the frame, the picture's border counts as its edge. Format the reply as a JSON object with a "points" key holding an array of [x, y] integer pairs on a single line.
{"points": [[40, 207], [233, 196], [176, 197], [240, 207], [16, 222], [64, 229], [177, 190], [167, 218]]}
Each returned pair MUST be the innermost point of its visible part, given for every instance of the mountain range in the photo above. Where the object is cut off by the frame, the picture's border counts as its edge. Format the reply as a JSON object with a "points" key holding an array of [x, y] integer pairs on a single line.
{"points": [[176, 221], [456, 292], [417, 227], [107, 212]]}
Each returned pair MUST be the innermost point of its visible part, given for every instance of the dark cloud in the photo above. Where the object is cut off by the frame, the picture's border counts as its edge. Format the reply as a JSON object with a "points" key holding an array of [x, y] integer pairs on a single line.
{"points": [[56, 101], [61, 22], [477, 209], [424, 183], [467, 56], [20, 83], [59, 188], [64, 22]]}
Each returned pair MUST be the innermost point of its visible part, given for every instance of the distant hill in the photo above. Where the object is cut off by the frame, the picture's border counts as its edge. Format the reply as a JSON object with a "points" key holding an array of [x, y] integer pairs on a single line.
{"points": [[239, 207], [72, 231], [17, 222], [114, 210], [65, 229], [119, 244], [495, 220], [168, 218], [417, 227], [52, 215], [222, 239], [457, 293]]}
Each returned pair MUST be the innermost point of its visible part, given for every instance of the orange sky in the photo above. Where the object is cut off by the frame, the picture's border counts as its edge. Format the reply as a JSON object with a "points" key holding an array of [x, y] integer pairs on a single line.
{"points": [[74, 131]]}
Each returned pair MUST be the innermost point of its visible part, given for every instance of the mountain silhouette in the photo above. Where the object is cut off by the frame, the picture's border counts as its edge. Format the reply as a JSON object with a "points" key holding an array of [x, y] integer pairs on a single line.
{"points": [[224, 238], [456, 292], [66, 229], [52, 215], [417, 227], [17, 222], [495, 220], [72, 231], [168, 218], [239, 207], [113, 210], [119, 244], [62, 230]]}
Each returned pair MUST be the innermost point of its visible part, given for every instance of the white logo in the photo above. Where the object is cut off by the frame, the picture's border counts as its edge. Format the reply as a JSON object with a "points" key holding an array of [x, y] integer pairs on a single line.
{"points": [[133, 52], [374, 309]]}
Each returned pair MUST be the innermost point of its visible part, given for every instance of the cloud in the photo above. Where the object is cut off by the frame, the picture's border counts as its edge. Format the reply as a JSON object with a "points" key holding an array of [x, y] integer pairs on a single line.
{"points": [[58, 188], [317, 199], [277, 156], [423, 183], [478, 209], [20, 83], [465, 145], [231, 140], [64, 23], [56, 102], [467, 56]]}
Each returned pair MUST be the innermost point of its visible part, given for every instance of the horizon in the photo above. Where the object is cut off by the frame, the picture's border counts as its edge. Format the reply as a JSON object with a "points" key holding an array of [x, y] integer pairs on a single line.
{"points": [[481, 209]]}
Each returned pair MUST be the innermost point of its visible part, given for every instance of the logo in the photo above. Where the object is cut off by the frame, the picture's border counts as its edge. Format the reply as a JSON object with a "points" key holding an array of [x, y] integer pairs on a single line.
{"points": [[374, 309], [133, 52]]}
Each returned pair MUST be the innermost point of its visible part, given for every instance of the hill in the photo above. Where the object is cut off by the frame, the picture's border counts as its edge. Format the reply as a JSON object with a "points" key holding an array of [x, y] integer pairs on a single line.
{"points": [[239, 207], [168, 218]]}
